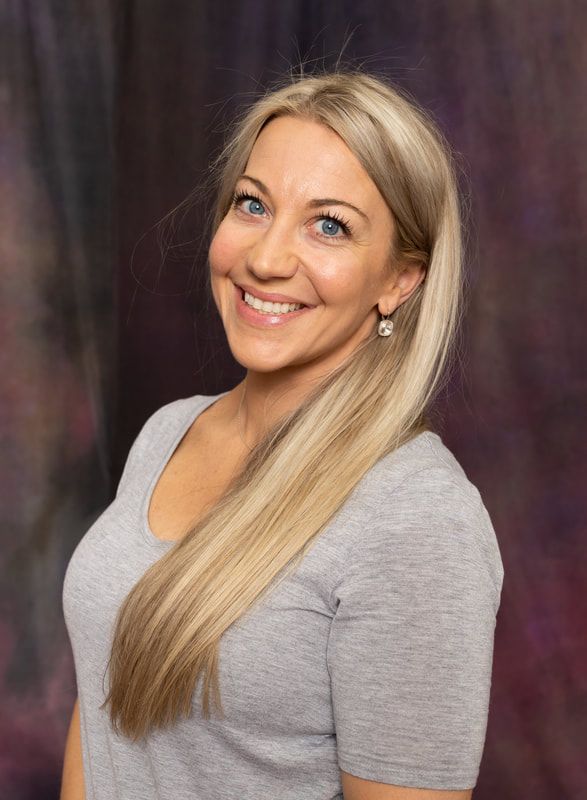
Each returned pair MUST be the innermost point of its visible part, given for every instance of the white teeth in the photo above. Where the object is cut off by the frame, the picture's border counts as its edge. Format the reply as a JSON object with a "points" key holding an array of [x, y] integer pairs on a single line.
{"points": [[264, 306]]}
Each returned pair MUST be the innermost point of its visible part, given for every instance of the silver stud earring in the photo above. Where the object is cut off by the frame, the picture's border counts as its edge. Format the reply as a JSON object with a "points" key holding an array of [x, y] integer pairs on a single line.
{"points": [[385, 325]]}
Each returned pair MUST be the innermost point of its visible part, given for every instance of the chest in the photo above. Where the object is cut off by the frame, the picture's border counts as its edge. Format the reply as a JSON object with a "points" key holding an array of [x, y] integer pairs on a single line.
{"points": [[192, 481]]}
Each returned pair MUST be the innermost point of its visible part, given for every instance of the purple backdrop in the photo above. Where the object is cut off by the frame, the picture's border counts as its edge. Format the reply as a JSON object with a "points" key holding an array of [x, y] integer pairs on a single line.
{"points": [[110, 112]]}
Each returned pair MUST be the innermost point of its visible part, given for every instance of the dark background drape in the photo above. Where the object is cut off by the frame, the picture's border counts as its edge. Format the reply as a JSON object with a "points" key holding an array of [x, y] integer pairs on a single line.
{"points": [[110, 112]]}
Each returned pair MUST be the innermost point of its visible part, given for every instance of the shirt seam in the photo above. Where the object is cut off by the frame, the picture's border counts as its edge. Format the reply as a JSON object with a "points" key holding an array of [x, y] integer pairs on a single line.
{"points": [[359, 542], [354, 546], [352, 551]]}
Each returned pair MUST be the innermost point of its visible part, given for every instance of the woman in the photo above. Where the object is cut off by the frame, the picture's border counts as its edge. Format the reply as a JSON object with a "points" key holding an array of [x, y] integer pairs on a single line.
{"points": [[301, 549]]}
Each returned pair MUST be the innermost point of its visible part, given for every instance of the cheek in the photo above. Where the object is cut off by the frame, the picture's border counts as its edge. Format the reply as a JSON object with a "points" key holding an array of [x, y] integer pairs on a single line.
{"points": [[222, 251], [341, 282]]}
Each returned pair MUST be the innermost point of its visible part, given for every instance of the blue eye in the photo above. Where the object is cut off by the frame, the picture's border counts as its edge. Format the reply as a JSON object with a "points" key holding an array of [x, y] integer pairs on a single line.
{"points": [[328, 225], [257, 204], [331, 226], [255, 207]]}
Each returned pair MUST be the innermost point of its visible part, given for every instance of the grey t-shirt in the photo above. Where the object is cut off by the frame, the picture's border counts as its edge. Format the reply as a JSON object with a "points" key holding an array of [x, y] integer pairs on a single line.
{"points": [[374, 656]]}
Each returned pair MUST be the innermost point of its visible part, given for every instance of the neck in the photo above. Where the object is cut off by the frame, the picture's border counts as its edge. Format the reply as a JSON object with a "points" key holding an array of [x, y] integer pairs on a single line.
{"points": [[261, 399]]}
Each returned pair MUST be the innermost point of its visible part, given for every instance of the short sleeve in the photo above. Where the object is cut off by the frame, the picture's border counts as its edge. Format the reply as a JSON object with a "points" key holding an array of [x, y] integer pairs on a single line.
{"points": [[410, 649]]}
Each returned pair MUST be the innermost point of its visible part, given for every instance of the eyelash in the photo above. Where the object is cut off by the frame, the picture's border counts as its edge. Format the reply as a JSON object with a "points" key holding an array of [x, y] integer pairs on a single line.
{"points": [[344, 224]]}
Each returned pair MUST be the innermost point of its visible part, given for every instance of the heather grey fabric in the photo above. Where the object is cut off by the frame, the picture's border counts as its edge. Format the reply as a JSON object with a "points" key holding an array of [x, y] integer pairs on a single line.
{"points": [[374, 657]]}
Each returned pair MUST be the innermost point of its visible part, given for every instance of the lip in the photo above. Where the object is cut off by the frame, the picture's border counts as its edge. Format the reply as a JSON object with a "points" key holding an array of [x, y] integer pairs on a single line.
{"points": [[271, 296], [258, 319]]}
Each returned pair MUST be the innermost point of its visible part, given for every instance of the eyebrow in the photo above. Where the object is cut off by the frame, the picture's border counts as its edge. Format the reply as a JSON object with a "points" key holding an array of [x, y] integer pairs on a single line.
{"points": [[323, 201]]}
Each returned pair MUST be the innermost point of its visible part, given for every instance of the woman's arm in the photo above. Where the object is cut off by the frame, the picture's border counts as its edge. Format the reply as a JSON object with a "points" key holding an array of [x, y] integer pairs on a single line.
{"points": [[359, 789], [72, 779]]}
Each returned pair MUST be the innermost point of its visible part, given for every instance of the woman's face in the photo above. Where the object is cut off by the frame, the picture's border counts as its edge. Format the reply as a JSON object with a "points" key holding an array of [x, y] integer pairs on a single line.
{"points": [[277, 238]]}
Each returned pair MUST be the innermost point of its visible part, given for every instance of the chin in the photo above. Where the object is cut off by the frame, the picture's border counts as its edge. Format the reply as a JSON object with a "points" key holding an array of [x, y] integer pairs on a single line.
{"points": [[259, 364], [253, 359]]}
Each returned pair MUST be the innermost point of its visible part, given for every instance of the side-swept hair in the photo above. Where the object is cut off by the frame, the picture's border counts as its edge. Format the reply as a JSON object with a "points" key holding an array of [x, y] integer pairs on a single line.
{"points": [[295, 480]]}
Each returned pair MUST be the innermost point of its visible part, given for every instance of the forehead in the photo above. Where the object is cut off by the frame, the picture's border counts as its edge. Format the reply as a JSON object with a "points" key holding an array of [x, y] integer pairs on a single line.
{"points": [[301, 158]]}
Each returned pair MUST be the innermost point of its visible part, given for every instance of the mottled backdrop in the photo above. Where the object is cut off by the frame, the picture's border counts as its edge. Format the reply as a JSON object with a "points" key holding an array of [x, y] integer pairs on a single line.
{"points": [[110, 112]]}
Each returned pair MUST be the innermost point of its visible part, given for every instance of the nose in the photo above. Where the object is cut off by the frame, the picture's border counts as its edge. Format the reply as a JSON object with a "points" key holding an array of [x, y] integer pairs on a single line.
{"points": [[273, 252]]}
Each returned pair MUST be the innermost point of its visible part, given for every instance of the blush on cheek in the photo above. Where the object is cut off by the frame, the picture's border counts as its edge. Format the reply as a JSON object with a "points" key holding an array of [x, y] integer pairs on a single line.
{"points": [[220, 253]]}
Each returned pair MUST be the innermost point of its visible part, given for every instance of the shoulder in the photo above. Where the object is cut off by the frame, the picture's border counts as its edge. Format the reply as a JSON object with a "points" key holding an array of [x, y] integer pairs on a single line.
{"points": [[421, 476], [171, 413], [159, 429], [172, 417], [424, 512], [160, 423]]}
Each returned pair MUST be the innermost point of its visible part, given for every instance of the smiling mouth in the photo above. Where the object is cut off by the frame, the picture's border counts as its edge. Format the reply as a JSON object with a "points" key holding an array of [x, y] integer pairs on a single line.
{"points": [[268, 306], [271, 317], [270, 296]]}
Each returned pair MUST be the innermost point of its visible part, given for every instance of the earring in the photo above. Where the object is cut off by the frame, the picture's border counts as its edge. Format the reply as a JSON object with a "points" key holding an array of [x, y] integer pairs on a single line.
{"points": [[385, 325]]}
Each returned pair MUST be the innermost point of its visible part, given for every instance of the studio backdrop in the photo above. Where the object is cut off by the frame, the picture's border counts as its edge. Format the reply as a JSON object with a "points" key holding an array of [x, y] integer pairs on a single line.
{"points": [[111, 113]]}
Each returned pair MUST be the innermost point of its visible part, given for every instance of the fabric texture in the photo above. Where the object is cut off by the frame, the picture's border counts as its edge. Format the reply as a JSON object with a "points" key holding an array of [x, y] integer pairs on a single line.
{"points": [[374, 656]]}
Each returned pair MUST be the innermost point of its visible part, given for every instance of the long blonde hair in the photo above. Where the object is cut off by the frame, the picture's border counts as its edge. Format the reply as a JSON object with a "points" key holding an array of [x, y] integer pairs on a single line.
{"points": [[169, 626]]}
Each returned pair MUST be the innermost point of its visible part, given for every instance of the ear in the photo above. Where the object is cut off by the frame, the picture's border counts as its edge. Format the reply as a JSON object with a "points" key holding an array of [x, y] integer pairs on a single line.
{"points": [[401, 285]]}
